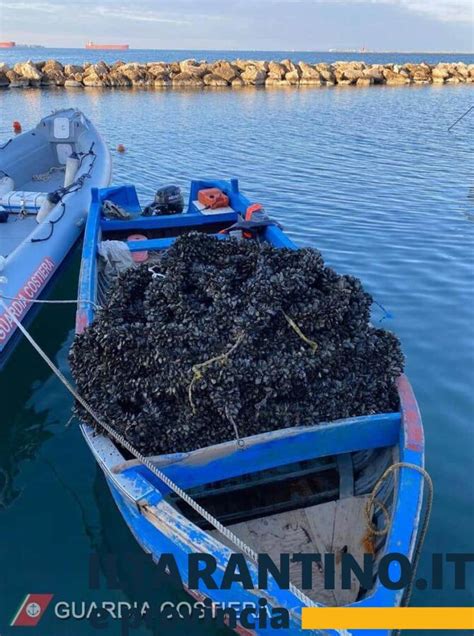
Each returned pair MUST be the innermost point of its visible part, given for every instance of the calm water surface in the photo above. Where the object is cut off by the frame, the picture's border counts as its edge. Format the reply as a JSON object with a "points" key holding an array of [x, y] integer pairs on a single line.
{"points": [[372, 178], [78, 56]]}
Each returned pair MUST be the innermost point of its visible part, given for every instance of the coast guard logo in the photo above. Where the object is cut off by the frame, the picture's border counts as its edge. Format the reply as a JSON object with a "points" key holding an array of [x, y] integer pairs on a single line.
{"points": [[31, 610]]}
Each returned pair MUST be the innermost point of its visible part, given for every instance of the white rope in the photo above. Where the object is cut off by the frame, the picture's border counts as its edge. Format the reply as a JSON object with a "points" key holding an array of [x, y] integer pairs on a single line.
{"points": [[243, 547], [51, 302]]}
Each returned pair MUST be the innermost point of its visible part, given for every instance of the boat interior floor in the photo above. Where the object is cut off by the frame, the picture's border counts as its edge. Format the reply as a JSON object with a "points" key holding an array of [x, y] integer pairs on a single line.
{"points": [[49, 182], [19, 226], [335, 527], [14, 231]]}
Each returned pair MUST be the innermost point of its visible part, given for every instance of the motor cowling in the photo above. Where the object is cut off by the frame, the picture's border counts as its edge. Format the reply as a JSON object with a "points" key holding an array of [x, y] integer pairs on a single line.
{"points": [[168, 200]]}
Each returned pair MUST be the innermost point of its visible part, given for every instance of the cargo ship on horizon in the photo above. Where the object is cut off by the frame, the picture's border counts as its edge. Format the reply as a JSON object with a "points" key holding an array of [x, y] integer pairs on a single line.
{"points": [[7, 45], [107, 47]]}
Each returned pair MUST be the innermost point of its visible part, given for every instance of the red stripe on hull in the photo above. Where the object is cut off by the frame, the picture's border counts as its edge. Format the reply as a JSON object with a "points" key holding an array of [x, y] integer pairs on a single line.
{"points": [[414, 436]]}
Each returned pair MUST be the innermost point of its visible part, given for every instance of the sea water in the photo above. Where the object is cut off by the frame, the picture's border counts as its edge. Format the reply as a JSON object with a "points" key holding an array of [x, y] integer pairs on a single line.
{"points": [[369, 176]]}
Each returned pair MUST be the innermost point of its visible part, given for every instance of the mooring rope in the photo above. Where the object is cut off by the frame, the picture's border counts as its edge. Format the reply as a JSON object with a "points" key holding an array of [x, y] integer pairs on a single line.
{"points": [[58, 301], [462, 117], [119, 439]]}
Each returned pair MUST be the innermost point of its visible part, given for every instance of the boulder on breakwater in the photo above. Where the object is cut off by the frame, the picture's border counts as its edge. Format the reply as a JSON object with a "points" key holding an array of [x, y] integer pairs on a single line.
{"points": [[222, 73]]}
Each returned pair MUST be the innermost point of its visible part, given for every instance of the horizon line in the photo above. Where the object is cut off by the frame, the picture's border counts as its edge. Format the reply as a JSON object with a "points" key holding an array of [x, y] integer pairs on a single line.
{"points": [[236, 50]]}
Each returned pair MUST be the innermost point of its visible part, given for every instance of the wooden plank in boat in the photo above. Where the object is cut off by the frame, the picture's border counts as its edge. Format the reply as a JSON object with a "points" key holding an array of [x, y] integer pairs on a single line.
{"points": [[350, 535], [334, 527]]}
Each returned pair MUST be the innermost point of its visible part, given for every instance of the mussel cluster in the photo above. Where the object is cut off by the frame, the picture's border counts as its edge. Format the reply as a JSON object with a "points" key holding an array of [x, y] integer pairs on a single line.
{"points": [[225, 339]]}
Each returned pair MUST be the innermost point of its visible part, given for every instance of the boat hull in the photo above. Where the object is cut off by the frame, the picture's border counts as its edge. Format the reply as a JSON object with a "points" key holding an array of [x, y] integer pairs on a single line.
{"points": [[107, 47], [132, 494], [161, 528], [34, 263]]}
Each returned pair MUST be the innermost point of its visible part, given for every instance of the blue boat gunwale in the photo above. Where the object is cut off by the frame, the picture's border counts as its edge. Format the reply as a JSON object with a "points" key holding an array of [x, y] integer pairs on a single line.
{"points": [[136, 484], [272, 449]]}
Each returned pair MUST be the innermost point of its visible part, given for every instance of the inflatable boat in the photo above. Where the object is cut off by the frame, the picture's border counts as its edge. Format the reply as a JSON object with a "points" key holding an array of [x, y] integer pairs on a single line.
{"points": [[46, 175], [301, 489]]}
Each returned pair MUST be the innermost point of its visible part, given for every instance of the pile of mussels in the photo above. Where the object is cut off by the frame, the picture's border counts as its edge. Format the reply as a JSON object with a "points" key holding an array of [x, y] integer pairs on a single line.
{"points": [[224, 339]]}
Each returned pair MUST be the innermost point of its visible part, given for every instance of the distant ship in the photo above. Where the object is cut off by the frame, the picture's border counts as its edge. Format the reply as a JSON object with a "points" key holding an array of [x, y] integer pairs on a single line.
{"points": [[107, 47], [7, 45]]}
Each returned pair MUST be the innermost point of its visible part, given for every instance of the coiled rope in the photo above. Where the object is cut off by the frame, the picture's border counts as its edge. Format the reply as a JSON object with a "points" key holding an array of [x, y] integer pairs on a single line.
{"points": [[373, 503], [44, 176], [119, 439]]}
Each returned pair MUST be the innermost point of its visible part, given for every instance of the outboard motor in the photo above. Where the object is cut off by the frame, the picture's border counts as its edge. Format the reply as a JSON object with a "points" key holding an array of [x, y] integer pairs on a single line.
{"points": [[168, 200]]}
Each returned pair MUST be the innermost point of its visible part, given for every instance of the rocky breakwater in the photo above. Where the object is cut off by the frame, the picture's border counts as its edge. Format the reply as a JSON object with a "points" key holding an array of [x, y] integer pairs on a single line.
{"points": [[235, 74]]}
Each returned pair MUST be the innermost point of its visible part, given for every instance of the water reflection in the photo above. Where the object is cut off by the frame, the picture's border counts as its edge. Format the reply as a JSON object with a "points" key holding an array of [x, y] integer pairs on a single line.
{"points": [[34, 405]]}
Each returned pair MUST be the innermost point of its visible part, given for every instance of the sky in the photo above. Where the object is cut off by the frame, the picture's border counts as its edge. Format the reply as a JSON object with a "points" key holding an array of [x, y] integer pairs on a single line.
{"points": [[315, 25]]}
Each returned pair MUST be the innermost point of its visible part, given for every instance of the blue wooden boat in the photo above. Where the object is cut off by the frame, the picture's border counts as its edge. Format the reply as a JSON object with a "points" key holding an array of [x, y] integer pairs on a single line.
{"points": [[308, 485], [46, 175]]}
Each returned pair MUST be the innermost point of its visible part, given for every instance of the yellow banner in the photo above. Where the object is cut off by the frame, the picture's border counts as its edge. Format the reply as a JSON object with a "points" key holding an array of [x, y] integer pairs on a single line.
{"points": [[432, 618]]}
